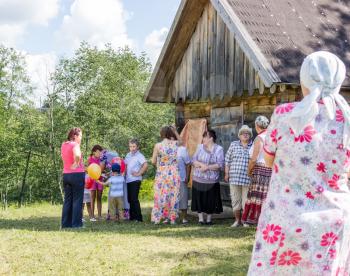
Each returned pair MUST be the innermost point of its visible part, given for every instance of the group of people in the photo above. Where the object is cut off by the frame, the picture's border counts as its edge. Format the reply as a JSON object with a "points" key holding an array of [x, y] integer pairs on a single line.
{"points": [[244, 167], [123, 177], [292, 180]]}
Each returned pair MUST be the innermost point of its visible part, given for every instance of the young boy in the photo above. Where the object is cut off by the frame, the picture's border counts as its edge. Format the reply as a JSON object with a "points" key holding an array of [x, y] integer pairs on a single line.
{"points": [[116, 193]]}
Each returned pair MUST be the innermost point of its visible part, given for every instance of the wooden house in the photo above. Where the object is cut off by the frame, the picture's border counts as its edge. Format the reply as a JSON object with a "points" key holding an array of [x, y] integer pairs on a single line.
{"points": [[231, 60]]}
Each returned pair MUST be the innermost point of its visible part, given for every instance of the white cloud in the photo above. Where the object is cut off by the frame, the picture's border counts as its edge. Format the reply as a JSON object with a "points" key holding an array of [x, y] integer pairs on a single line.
{"points": [[39, 68], [28, 11], [9, 34], [97, 22], [154, 43], [17, 15]]}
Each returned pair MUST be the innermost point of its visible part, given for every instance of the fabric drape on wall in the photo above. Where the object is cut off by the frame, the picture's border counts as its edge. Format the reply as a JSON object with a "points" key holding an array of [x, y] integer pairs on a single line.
{"points": [[192, 134]]}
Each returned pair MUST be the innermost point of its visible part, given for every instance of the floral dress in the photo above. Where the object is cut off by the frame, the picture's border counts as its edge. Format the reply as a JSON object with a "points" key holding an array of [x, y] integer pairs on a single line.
{"points": [[304, 227], [167, 183]]}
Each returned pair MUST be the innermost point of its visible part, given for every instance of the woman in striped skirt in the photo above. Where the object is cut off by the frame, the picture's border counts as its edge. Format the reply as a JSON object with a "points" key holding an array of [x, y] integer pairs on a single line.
{"points": [[259, 173]]}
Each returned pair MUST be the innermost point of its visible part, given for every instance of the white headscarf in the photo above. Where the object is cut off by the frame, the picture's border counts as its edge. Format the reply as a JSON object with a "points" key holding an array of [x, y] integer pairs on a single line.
{"points": [[322, 73]]}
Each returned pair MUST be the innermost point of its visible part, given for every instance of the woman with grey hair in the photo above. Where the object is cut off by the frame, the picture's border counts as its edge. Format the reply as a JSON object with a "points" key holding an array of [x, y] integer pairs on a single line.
{"points": [[236, 164], [259, 173], [304, 227]]}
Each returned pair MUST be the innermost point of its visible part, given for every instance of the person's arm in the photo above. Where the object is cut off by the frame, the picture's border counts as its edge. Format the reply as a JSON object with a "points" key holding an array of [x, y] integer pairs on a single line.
{"points": [[187, 161], [155, 154], [269, 159], [177, 135], [188, 172], [227, 172], [271, 140], [142, 170], [228, 160], [77, 156], [220, 161], [219, 156], [103, 165], [104, 183], [198, 164], [256, 150], [214, 167]]}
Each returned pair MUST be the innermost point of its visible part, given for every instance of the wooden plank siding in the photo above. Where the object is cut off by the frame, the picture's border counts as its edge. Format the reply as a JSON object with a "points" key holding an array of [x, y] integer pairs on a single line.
{"points": [[227, 116], [213, 65]]}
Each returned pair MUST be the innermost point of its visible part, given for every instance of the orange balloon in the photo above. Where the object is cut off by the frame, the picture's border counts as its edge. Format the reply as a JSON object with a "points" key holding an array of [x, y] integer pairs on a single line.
{"points": [[94, 171]]}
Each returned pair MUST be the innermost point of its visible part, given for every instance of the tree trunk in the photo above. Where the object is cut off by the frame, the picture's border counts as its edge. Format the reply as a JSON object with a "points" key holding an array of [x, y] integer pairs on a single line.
{"points": [[21, 195], [86, 141]]}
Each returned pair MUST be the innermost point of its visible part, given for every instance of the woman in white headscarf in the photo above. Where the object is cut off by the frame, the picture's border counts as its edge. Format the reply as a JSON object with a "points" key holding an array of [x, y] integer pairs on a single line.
{"points": [[304, 227]]}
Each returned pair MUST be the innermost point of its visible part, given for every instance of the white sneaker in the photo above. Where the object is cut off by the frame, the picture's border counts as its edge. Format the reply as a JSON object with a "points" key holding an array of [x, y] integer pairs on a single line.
{"points": [[93, 219], [83, 220], [246, 225], [235, 224]]}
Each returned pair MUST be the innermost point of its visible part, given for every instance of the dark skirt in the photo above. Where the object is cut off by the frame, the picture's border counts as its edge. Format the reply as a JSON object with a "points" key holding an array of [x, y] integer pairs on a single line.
{"points": [[257, 193], [206, 198]]}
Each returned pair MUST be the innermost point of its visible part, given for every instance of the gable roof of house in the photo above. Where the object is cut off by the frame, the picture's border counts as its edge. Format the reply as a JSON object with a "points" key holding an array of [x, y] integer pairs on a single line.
{"points": [[274, 35], [287, 31]]}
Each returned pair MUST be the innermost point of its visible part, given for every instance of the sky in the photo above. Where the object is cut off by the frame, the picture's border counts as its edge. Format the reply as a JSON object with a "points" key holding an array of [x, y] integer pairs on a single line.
{"points": [[45, 30]]}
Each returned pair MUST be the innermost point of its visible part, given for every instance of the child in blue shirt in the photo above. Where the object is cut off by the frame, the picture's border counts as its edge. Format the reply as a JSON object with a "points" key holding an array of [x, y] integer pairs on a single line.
{"points": [[116, 194]]}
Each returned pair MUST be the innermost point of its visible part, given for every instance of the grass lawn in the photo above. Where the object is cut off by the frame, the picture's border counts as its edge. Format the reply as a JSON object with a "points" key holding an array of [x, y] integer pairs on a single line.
{"points": [[31, 243]]}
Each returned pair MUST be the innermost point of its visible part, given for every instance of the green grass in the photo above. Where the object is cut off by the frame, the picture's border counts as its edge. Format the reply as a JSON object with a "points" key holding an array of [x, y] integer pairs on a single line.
{"points": [[32, 243]]}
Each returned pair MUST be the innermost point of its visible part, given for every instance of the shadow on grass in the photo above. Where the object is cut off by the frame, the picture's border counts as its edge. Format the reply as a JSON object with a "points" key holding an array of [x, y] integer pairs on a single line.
{"points": [[219, 230], [214, 261]]}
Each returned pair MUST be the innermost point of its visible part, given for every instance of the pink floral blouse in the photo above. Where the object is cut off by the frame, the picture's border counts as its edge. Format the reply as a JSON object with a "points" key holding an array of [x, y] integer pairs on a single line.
{"points": [[304, 228]]}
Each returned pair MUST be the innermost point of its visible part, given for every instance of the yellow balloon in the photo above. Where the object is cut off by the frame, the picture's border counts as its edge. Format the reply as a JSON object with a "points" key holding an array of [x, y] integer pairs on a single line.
{"points": [[94, 171]]}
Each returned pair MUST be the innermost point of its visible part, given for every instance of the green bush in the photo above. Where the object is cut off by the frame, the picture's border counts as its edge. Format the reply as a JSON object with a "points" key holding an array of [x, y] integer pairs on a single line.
{"points": [[146, 191]]}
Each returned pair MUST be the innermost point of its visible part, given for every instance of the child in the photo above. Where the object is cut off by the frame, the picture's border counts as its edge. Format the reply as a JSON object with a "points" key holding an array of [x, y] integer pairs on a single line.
{"points": [[120, 161], [87, 197], [116, 194], [97, 187], [136, 166]]}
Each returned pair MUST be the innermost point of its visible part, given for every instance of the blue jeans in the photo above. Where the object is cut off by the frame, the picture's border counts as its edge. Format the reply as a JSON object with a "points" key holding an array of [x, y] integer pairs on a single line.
{"points": [[73, 184]]}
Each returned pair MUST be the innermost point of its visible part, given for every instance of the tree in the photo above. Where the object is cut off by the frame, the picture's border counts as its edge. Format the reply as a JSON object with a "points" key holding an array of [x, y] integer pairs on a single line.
{"points": [[103, 91], [100, 91]]}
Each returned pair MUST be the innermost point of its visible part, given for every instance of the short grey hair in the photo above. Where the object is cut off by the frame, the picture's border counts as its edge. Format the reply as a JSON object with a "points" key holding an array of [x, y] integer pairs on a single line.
{"points": [[262, 122], [134, 141], [247, 129]]}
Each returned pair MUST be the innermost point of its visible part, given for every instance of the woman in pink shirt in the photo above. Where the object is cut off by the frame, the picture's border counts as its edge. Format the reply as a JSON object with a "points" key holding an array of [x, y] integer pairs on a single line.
{"points": [[73, 180]]}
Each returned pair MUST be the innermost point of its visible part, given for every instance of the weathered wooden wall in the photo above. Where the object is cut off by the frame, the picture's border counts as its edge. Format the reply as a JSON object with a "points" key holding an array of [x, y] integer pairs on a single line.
{"points": [[228, 115], [213, 66]]}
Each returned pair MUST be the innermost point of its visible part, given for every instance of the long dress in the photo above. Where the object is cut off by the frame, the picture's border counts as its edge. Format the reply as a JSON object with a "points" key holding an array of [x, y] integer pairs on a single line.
{"points": [[304, 227], [166, 184], [258, 186]]}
